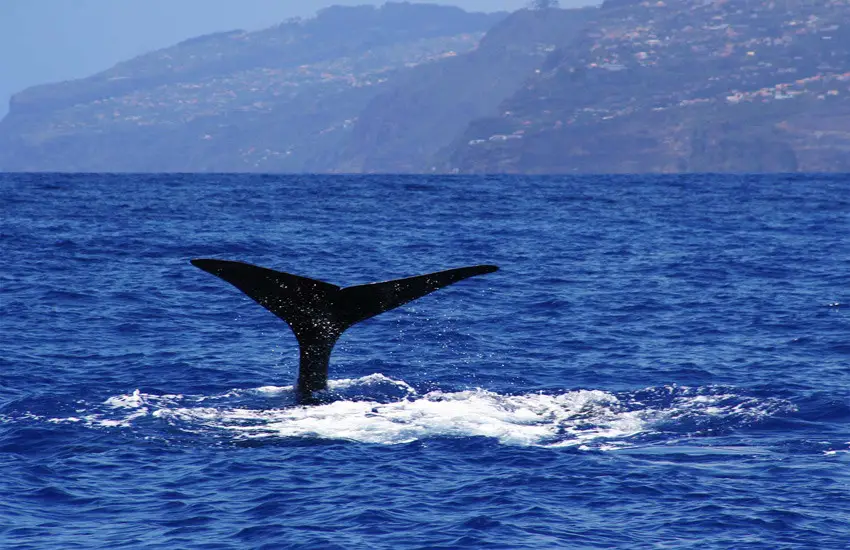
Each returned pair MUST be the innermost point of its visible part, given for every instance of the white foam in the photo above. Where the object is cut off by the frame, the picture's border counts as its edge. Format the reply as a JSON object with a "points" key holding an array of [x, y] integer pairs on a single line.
{"points": [[587, 419], [273, 390], [519, 420], [367, 381]]}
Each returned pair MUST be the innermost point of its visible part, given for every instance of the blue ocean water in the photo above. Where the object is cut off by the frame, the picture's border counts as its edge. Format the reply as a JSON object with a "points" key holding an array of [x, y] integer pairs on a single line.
{"points": [[661, 362]]}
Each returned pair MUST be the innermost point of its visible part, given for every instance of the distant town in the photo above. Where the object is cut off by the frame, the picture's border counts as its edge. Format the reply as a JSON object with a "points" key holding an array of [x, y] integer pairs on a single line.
{"points": [[425, 88], [256, 89], [767, 67]]}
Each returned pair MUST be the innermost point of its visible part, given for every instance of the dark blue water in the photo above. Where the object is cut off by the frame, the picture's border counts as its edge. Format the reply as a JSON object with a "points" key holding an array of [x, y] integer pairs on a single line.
{"points": [[661, 362]]}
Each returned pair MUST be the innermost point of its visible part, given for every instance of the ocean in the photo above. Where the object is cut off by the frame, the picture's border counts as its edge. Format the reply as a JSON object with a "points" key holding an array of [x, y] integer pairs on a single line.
{"points": [[660, 362]]}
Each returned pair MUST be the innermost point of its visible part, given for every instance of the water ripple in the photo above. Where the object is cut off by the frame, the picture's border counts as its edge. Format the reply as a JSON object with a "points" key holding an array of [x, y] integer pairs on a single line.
{"points": [[660, 361]]}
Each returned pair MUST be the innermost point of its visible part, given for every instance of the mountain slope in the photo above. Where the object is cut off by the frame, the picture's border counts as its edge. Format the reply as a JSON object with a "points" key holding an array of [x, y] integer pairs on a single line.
{"points": [[404, 127], [681, 85], [636, 86], [271, 100]]}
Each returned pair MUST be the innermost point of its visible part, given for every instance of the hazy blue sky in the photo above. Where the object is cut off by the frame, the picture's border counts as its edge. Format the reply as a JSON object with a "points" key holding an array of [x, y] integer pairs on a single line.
{"points": [[50, 40]]}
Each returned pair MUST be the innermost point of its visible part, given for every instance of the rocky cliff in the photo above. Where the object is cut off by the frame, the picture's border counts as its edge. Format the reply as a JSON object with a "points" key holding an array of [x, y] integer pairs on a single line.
{"points": [[634, 86]]}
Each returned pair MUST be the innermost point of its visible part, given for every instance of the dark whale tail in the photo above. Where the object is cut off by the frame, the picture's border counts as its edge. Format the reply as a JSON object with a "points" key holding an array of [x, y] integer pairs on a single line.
{"points": [[319, 312]]}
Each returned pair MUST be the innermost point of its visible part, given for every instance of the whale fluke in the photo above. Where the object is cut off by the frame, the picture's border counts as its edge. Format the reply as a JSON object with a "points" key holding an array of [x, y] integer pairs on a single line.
{"points": [[320, 312]]}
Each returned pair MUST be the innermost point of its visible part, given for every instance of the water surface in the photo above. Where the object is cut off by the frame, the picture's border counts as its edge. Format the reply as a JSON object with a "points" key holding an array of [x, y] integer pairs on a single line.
{"points": [[659, 362]]}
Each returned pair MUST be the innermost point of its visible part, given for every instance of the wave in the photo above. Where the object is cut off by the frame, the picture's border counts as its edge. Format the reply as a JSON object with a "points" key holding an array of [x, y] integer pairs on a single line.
{"points": [[376, 409]]}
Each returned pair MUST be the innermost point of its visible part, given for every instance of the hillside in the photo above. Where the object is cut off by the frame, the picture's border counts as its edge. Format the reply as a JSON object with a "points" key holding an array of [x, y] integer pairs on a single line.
{"points": [[404, 127], [633, 86], [681, 85], [271, 100]]}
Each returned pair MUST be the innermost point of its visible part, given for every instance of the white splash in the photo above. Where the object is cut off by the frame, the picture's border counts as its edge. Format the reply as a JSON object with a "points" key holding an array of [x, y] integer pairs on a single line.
{"points": [[587, 419], [531, 419]]}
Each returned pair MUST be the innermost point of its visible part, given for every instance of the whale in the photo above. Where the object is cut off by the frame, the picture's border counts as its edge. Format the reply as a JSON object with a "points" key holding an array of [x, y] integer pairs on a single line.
{"points": [[319, 312]]}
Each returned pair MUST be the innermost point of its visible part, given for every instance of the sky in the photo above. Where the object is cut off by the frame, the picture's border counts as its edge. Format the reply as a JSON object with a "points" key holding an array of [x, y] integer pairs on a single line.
{"points": [[45, 41]]}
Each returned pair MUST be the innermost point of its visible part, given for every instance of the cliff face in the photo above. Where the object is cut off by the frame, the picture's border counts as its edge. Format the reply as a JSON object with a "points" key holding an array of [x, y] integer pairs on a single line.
{"points": [[636, 86], [681, 85], [273, 100], [403, 128]]}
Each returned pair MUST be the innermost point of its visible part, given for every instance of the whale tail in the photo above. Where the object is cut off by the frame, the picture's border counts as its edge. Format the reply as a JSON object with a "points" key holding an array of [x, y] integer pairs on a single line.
{"points": [[318, 312]]}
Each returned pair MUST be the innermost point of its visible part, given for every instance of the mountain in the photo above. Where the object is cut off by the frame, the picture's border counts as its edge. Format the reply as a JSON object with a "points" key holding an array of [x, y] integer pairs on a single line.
{"points": [[404, 127], [634, 86], [271, 100], [680, 85]]}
